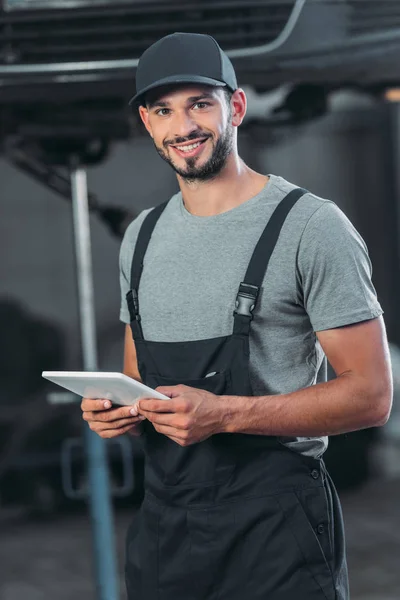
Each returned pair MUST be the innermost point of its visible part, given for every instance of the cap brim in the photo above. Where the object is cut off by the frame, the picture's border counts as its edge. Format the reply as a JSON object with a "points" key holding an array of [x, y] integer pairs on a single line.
{"points": [[177, 79]]}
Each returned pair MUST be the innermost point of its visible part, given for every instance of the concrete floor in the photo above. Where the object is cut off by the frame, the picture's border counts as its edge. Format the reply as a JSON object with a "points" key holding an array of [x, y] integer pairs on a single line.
{"points": [[51, 559]]}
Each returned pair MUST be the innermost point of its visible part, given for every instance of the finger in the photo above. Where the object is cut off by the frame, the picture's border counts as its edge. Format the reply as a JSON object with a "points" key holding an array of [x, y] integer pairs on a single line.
{"points": [[152, 405], [103, 426], [111, 433], [110, 415], [96, 425], [170, 431], [88, 404], [173, 391], [168, 390], [179, 422]]}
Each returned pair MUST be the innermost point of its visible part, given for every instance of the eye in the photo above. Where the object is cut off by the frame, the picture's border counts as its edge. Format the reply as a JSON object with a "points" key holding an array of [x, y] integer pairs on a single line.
{"points": [[162, 112], [201, 104]]}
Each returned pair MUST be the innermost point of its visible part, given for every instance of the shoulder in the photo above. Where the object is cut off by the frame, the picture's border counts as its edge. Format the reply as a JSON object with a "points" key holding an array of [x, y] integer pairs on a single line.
{"points": [[133, 228], [330, 244], [129, 242], [328, 225], [312, 212], [131, 234], [305, 207]]}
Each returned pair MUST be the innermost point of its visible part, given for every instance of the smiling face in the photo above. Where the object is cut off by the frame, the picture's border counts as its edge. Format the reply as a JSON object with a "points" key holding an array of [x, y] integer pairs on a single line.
{"points": [[192, 128]]}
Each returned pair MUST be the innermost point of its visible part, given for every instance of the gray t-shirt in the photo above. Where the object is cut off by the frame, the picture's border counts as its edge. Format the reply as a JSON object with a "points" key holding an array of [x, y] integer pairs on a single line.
{"points": [[319, 277]]}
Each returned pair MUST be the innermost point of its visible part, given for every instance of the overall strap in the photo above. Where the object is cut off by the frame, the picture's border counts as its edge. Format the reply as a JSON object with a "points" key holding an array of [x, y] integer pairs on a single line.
{"points": [[142, 242], [247, 295]]}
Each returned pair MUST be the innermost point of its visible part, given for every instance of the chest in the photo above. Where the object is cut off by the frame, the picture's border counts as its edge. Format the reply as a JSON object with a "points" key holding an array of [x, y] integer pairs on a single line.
{"points": [[191, 277]]}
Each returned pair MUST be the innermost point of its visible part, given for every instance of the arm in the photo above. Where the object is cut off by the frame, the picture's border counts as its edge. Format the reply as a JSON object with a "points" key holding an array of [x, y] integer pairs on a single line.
{"points": [[130, 358], [360, 397]]}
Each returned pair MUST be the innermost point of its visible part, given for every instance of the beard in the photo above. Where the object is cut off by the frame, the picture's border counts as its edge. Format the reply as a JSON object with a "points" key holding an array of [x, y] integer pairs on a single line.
{"points": [[212, 167]]}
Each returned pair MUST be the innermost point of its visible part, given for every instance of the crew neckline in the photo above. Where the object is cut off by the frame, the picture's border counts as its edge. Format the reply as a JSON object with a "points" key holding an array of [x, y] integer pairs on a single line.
{"points": [[239, 210]]}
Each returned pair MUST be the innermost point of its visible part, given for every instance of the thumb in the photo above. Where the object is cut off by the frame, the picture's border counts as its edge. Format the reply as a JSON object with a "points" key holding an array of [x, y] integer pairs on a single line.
{"points": [[134, 410]]}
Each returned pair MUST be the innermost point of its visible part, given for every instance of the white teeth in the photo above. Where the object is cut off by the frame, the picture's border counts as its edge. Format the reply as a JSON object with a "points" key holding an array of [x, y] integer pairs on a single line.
{"points": [[189, 148]]}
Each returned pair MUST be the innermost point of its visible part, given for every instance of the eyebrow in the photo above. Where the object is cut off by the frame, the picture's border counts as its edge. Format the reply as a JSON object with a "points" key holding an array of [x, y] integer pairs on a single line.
{"points": [[190, 100]]}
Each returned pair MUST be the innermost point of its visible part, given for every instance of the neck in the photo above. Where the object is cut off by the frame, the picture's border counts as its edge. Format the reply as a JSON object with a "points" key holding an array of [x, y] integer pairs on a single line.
{"points": [[235, 184]]}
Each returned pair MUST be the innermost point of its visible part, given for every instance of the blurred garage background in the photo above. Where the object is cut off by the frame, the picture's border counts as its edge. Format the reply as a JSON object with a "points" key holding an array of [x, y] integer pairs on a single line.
{"points": [[323, 84]]}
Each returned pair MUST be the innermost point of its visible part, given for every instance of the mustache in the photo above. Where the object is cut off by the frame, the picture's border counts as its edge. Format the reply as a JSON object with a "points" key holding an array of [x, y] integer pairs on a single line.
{"points": [[181, 140]]}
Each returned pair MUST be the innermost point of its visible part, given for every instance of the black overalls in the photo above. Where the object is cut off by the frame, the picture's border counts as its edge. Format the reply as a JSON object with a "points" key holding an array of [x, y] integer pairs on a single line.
{"points": [[235, 517]]}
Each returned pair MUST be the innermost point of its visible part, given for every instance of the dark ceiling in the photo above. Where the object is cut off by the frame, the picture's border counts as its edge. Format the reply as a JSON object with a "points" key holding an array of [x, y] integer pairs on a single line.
{"points": [[68, 66]]}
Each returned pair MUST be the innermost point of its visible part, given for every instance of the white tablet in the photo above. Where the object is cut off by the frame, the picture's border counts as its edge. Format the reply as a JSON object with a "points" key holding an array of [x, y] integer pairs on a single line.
{"points": [[117, 387]]}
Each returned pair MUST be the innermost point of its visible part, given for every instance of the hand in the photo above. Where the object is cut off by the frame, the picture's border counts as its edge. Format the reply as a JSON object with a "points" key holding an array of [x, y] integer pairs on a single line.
{"points": [[190, 416], [110, 422]]}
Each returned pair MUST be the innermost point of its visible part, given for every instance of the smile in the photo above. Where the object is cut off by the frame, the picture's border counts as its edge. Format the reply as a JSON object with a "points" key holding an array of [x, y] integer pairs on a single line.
{"points": [[190, 149]]}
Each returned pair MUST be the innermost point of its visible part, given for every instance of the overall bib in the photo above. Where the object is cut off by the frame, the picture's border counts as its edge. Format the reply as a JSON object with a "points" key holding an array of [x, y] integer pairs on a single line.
{"points": [[237, 516]]}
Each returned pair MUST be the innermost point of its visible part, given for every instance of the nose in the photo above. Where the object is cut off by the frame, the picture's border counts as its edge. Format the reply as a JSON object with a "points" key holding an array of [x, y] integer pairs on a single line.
{"points": [[183, 124]]}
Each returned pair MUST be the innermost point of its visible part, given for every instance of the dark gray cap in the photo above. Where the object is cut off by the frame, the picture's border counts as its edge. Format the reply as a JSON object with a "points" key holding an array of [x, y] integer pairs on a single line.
{"points": [[183, 58]]}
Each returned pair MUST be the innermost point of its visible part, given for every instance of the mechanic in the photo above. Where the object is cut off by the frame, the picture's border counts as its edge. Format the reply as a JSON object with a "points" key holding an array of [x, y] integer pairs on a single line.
{"points": [[235, 292]]}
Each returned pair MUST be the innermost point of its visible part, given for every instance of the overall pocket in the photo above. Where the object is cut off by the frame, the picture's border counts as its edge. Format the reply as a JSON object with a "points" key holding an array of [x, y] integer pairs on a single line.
{"points": [[205, 463], [260, 547], [214, 382], [306, 516]]}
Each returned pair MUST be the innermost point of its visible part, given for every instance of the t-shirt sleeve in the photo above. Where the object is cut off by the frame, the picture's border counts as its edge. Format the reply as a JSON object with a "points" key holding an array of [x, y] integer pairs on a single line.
{"points": [[125, 261], [335, 271]]}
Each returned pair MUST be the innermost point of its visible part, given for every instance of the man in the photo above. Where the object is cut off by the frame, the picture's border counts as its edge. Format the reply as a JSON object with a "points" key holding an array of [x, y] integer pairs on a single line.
{"points": [[234, 293]]}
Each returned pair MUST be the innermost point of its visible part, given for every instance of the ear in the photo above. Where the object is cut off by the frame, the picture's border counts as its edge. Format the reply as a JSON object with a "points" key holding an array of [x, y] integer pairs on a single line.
{"points": [[144, 115], [239, 107]]}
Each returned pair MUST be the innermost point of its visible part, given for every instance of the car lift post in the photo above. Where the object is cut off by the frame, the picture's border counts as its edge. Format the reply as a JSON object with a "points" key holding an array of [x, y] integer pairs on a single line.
{"points": [[104, 546]]}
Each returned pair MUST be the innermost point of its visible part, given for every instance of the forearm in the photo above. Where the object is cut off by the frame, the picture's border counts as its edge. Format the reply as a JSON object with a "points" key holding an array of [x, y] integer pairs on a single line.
{"points": [[338, 406]]}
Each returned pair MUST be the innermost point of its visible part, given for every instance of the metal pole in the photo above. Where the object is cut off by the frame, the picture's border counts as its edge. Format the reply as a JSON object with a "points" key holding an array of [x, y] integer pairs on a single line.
{"points": [[99, 489]]}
